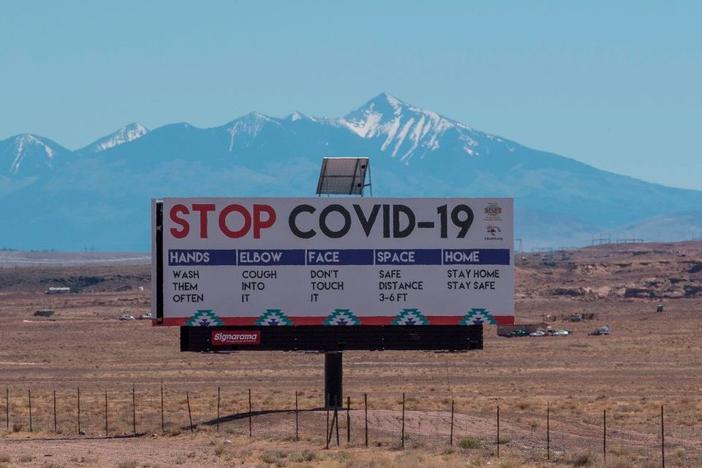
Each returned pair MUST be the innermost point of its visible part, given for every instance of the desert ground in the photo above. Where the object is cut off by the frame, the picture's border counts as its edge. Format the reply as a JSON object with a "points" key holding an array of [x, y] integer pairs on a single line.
{"points": [[649, 360]]}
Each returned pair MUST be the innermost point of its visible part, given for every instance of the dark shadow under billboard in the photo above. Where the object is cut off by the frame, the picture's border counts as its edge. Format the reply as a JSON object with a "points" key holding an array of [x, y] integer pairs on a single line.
{"points": [[330, 338]]}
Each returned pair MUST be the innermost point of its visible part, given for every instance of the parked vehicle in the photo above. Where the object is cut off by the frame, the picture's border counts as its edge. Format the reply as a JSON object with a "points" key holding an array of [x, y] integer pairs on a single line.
{"points": [[600, 331]]}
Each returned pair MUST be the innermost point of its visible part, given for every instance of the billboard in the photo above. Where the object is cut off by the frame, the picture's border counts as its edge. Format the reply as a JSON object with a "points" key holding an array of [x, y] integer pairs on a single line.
{"points": [[251, 262]]}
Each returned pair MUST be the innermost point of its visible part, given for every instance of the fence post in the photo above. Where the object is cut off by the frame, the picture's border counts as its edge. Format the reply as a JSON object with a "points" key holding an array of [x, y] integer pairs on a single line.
{"points": [[498, 431], [133, 410], [548, 431], [7, 408], [451, 433], [29, 395], [348, 419], [250, 421], [365, 404], [190, 414], [79, 411], [662, 439], [297, 419], [219, 394], [604, 435], [107, 431], [55, 425], [402, 435], [163, 425], [335, 420], [327, 432]]}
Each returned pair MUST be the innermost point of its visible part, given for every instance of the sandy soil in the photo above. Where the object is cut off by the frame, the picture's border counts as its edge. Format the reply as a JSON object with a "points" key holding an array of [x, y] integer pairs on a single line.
{"points": [[650, 359]]}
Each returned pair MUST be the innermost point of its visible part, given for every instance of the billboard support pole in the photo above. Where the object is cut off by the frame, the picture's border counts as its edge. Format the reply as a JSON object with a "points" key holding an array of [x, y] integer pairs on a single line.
{"points": [[333, 379]]}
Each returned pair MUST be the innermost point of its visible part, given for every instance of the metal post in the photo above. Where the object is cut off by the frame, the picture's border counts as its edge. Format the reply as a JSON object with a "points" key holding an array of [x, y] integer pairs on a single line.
{"points": [[107, 431], [348, 420], [498, 431], [297, 419], [78, 410], [55, 425], [327, 432], [548, 431], [333, 380], [365, 404], [662, 439], [29, 395], [250, 421], [219, 395], [163, 426], [604, 435], [451, 434], [190, 414], [335, 420], [402, 435], [134, 410]]}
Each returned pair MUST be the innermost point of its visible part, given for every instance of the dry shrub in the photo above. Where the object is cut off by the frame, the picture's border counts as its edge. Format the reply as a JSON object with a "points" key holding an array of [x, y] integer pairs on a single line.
{"points": [[469, 443], [127, 464], [523, 405], [301, 457], [510, 463], [679, 453], [581, 459], [219, 448], [620, 462], [274, 457]]}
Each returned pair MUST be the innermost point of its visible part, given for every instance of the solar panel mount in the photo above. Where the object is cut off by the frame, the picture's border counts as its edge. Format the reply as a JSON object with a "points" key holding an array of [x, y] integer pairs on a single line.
{"points": [[344, 176]]}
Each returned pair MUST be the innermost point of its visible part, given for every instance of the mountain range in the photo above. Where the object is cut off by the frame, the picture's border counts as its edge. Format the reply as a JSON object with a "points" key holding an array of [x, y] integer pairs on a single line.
{"points": [[98, 197]]}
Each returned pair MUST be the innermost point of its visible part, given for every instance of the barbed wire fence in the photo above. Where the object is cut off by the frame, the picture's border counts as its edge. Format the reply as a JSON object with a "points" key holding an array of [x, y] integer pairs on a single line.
{"points": [[397, 420]]}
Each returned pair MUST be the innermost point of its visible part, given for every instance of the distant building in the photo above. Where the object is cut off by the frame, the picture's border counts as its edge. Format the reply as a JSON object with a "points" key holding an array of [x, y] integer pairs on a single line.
{"points": [[43, 313], [58, 290]]}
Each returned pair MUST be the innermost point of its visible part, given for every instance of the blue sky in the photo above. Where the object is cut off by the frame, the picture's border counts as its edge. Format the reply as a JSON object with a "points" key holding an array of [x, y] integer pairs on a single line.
{"points": [[612, 84]]}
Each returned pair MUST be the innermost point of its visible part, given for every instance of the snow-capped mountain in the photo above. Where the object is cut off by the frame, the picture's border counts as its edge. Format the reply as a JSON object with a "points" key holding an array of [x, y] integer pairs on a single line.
{"points": [[124, 135], [99, 196], [242, 130], [29, 154], [405, 131]]}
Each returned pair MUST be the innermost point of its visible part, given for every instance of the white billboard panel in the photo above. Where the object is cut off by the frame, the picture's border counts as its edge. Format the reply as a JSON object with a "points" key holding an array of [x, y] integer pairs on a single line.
{"points": [[337, 261]]}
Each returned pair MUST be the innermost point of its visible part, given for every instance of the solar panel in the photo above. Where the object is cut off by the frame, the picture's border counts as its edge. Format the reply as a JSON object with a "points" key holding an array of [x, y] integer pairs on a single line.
{"points": [[343, 176]]}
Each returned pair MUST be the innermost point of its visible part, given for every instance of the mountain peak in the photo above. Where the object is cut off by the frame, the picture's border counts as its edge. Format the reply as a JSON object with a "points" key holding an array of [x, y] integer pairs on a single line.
{"points": [[256, 116], [389, 98], [407, 130], [247, 127], [383, 104], [27, 149], [296, 116], [126, 134]]}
